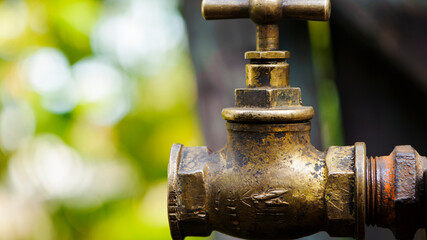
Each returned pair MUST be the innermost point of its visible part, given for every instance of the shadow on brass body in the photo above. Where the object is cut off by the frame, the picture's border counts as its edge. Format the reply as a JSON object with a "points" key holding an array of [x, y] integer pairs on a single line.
{"points": [[269, 182]]}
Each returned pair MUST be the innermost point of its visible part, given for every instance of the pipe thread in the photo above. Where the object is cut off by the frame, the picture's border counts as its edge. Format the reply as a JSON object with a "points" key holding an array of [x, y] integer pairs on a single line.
{"points": [[371, 189]]}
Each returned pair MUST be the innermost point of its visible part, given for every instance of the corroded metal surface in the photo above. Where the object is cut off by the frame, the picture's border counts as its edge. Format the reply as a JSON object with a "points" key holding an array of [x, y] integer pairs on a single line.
{"points": [[396, 192]]}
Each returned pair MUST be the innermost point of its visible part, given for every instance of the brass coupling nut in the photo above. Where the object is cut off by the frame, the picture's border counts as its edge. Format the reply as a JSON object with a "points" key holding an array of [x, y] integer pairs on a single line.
{"points": [[187, 193], [339, 191]]}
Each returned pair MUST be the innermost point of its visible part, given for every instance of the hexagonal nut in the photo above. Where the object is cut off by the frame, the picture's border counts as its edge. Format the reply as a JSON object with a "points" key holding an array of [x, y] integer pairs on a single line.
{"points": [[268, 98], [190, 192], [405, 166], [339, 192], [406, 173], [267, 55]]}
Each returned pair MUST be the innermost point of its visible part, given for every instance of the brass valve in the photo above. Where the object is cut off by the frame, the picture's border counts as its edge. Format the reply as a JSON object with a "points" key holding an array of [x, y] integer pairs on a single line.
{"points": [[269, 181]]}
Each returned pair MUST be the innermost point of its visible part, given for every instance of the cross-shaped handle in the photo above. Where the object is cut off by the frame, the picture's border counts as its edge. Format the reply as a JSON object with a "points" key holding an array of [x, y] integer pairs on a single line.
{"points": [[266, 14]]}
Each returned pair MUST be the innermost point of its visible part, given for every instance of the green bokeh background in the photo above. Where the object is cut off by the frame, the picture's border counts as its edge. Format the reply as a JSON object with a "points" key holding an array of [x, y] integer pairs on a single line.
{"points": [[81, 166]]}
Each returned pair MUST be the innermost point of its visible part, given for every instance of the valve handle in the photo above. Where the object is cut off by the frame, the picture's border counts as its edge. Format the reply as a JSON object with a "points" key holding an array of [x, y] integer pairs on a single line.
{"points": [[266, 14], [267, 11]]}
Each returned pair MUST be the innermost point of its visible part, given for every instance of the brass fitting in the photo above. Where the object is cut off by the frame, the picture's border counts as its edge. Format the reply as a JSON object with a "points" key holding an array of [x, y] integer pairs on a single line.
{"points": [[267, 69], [269, 182], [256, 187]]}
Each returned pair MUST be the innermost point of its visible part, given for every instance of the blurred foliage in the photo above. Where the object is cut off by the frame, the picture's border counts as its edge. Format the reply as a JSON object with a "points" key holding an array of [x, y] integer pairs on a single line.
{"points": [[328, 99], [92, 96]]}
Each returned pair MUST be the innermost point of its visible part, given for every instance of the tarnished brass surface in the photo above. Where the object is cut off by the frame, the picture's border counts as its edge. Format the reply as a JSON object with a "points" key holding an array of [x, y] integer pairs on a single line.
{"points": [[267, 69], [339, 191], [318, 10], [267, 72], [268, 97], [257, 186], [361, 174], [285, 114], [267, 37], [267, 55], [268, 105], [267, 75]]}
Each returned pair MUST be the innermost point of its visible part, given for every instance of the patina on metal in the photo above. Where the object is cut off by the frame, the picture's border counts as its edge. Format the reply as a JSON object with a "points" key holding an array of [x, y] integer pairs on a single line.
{"points": [[269, 182], [317, 10], [396, 196], [267, 69]]}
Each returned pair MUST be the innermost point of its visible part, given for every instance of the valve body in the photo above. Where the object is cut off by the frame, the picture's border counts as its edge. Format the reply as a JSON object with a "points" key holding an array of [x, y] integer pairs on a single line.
{"points": [[266, 183]]}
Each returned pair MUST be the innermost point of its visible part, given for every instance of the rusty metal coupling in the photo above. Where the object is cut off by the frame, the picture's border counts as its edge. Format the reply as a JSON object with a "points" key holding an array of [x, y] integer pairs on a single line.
{"points": [[396, 191], [269, 181]]}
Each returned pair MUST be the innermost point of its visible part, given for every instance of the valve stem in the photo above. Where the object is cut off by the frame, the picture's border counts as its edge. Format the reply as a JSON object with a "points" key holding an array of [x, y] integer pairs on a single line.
{"points": [[267, 37]]}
